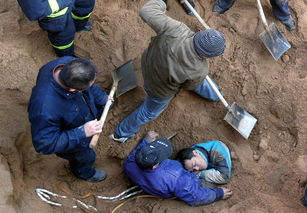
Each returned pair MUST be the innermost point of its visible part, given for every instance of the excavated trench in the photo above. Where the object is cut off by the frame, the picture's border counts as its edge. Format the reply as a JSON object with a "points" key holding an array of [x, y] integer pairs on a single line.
{"points": [[270, 169]]}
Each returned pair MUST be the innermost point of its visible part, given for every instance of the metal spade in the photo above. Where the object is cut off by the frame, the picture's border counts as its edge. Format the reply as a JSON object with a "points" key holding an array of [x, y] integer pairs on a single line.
{"points": [[272, 38], [237, 117]]}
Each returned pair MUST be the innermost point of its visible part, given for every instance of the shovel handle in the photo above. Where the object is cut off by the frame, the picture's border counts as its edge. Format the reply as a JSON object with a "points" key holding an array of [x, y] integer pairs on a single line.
{"points": [[217, 92], [103, 117], [196, 14], [265, 23]]}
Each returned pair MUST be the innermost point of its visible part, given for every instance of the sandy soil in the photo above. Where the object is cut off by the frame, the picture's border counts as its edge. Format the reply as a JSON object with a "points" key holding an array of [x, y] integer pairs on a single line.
{"points": [[270, 169]]}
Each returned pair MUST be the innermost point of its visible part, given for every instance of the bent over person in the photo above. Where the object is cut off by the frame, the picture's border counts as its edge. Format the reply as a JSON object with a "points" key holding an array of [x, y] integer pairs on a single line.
{"points": [[210, 161], [176, 58], [63, 111], [61, 19], [148, 167]]}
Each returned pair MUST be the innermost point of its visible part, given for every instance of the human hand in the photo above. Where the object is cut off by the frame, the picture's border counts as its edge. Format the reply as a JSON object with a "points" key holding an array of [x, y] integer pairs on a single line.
{"points": [[227, 193], [151, 136], [92, 128]]}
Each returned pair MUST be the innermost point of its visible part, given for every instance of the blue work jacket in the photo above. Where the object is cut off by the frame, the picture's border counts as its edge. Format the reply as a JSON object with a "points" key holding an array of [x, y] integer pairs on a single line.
{"points": [[169, 180], [57, 116], [218, 158]]}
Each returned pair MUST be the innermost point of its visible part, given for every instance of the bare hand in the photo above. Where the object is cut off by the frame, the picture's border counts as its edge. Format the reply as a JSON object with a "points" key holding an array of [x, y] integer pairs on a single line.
{"points": [[92, 128], [227, 193], [151, 136]]}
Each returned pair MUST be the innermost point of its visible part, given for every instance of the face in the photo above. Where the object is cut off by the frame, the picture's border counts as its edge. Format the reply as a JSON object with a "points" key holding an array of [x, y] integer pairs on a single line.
{"points": [[196, 163]]}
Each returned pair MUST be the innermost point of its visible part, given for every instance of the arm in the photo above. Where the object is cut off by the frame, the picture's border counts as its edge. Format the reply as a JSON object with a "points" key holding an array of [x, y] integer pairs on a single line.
{"points": [[100, 96], [189, 189], [48, 138], [213, 176], [153, 13]]}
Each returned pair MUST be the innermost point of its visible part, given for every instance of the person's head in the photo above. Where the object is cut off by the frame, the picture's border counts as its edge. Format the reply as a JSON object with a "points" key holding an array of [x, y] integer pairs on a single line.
{"points": [[153, 153], [209, 43], [191, 160], [78, 74]]}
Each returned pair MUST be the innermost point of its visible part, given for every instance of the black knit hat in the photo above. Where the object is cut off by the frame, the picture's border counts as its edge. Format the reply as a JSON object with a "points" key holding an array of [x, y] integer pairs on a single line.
{"points": [[209, 43]]}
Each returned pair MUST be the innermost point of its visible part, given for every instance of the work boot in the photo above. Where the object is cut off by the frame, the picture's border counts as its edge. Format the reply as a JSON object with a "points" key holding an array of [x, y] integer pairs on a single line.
{"points": [[117, 138], [87, 27], [186, 9], [99, 175], [289, 23]]}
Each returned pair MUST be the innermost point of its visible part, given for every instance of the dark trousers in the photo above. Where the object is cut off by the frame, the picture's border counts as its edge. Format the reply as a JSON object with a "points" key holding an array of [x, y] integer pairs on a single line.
{"points": [[280, 7], [305, 197], [81, 162], [61, 29]]}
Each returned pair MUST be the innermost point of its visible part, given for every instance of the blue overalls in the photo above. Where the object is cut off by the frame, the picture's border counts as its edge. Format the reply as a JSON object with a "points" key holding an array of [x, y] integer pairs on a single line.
{"points": [[57, 119], [61, 19]]}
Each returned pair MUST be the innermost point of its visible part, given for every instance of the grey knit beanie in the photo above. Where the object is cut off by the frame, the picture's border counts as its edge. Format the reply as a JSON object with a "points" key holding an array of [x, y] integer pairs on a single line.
{"points": [[209, 43]]}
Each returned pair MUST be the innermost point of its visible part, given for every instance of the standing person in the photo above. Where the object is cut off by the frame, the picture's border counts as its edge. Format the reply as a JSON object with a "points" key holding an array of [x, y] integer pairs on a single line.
{"points": [[280, 9], [211, 161], [176, 58], [61, 19], [63, 111], [148, 167]]}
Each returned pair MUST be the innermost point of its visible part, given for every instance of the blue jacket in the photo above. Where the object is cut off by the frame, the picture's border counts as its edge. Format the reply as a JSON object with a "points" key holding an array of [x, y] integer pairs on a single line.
{"points": [[57, 116], [39, 9], [218, 158], [169, 180]]}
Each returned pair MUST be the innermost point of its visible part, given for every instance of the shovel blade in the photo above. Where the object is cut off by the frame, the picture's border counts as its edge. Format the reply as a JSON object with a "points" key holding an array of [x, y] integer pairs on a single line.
{"points": [[240, 120], [274, 41], [124, 77]]}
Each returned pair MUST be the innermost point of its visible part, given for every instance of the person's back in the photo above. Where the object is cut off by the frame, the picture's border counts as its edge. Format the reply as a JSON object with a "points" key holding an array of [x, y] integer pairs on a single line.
{"points": [[167, 179], [160, 182], [170, 60]]}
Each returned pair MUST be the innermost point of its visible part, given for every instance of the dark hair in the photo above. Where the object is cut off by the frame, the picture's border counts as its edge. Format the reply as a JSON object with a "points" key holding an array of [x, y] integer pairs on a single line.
{"points": [[78, 74], [185, 154]]}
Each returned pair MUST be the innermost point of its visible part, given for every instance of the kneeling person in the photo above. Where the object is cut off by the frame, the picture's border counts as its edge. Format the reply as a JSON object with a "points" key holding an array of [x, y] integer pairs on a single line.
{"points": [[148, 166], [211, 161]]}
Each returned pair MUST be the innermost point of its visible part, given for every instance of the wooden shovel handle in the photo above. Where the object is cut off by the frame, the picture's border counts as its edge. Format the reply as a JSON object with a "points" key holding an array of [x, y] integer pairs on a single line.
{"points": [[217, 92], [196, 14], [103, 117], [265, 23]]}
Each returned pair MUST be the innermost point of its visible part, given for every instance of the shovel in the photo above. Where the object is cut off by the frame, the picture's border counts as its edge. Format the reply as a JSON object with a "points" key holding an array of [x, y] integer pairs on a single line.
{"points": [[237, 117], [272, 38], [123, 81]]}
